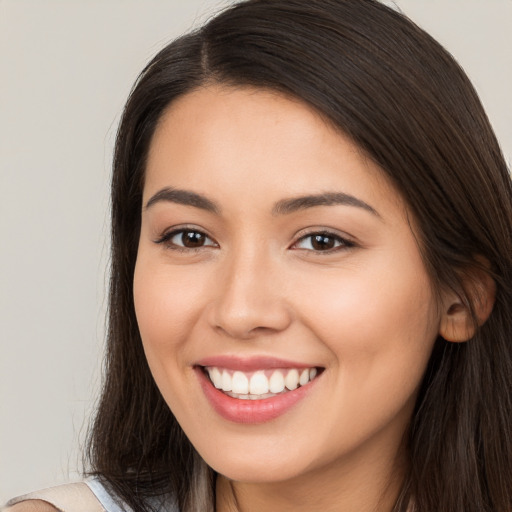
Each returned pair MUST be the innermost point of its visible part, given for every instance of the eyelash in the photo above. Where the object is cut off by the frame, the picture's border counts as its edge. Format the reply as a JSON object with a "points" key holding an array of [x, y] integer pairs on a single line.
{"points": [[340, 242], [166, 240]]}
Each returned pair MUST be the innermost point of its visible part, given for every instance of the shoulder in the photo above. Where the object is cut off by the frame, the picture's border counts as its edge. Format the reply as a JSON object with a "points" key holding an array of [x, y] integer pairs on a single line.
{"points": [[76, 497], [31, 506], [92, 495]]}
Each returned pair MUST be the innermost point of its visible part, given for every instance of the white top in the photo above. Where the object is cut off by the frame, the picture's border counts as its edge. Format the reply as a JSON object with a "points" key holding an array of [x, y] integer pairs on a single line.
{"points": [[164, 504], [91, 495], [104, 497]]}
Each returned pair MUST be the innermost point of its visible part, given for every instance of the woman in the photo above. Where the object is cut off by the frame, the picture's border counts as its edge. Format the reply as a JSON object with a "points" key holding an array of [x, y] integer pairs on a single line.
{"points": [[311, 274]]}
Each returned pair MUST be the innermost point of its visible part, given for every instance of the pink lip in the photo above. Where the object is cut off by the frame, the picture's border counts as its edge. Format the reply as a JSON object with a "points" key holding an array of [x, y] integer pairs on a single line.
{"points": [[250, 411], [250, 364]]}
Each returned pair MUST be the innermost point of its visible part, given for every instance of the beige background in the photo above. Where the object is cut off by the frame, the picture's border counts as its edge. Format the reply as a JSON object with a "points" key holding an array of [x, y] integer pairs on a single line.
{"points": [[66, 67]]}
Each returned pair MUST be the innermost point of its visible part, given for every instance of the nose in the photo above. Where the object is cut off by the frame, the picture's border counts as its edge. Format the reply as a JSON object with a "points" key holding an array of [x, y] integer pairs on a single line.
{"points": [[250, 299]]}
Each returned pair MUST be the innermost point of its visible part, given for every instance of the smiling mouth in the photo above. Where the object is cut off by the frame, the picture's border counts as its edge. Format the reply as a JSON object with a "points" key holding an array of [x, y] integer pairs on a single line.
{"points": [[260, 384]]}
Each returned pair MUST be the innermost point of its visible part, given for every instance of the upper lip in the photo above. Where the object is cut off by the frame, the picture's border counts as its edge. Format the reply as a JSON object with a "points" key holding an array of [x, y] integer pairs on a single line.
{"points": [[249, 364]]}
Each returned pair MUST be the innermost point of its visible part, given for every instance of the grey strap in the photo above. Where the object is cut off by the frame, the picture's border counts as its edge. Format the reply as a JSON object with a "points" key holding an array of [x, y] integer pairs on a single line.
{"points": [[66, 498]]}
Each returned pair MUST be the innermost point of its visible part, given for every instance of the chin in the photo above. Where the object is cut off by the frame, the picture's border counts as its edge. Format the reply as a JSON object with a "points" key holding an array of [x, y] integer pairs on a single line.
{"points": [[255, 472], [261, 464]]}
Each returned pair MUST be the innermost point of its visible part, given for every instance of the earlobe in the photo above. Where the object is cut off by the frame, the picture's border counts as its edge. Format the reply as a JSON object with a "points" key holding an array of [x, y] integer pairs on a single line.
{"points": [[458, 323]]}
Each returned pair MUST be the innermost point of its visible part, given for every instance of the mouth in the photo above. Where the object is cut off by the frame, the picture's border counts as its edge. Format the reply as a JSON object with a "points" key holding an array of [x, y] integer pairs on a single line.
{"points": [[260, 384], [255, 391]]}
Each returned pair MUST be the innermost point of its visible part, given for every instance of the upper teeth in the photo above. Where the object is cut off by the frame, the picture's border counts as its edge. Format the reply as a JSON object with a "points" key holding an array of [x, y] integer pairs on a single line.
{"points": [[259, 384]]}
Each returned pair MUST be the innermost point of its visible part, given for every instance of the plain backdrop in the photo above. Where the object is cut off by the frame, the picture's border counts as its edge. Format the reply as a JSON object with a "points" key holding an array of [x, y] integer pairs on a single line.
{"points": [[66, 67]]}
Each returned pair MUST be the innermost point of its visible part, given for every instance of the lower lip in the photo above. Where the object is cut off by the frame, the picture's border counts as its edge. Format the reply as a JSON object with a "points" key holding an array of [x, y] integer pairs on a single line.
{"points": [[251, 411]]}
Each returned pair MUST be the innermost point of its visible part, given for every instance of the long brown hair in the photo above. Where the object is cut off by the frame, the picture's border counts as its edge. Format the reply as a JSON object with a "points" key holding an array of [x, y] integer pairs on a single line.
{"points": [[408, 105]]}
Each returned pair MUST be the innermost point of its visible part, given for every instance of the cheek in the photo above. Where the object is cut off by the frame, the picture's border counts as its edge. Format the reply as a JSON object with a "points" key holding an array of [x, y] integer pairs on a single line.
{"points": [[167, 305], [385, 315], [380, 324], [387, 291], [163, 293], [380, 330]]}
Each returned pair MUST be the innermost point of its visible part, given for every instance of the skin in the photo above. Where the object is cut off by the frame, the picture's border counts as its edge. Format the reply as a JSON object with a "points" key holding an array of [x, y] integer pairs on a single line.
{"points": [[31, 506], [364, 310]]}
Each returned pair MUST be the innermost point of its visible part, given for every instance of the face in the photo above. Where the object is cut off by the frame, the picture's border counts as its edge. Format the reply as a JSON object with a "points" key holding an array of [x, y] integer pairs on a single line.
{"points": [[283, 304]]}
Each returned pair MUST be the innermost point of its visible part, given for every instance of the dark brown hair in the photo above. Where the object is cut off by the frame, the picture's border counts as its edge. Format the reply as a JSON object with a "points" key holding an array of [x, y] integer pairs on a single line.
{"points": [[408, 105]]}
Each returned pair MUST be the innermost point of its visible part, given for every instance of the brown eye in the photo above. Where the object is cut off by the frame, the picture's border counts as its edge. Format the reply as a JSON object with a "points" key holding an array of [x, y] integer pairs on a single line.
{"points": [[192, 239], [322, 242], [183, 239]]}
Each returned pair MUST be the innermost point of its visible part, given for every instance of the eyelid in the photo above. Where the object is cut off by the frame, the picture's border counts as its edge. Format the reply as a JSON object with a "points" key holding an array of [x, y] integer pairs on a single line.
{"points": [[346, 242], [166, 237]]}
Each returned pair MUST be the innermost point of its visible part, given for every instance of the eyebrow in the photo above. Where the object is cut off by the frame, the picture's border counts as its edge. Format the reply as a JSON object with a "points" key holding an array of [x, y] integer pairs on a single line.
{"points": [[283, 207], [185, 197], [287, 206]]}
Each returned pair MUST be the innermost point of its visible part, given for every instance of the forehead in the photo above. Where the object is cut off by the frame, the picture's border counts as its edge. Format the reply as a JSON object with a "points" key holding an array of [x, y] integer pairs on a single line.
{"points": [[249, 140]]}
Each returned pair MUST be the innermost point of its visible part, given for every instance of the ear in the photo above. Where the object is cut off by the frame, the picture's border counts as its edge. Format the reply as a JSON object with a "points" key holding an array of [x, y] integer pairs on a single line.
{"points": [[457, 323]]}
